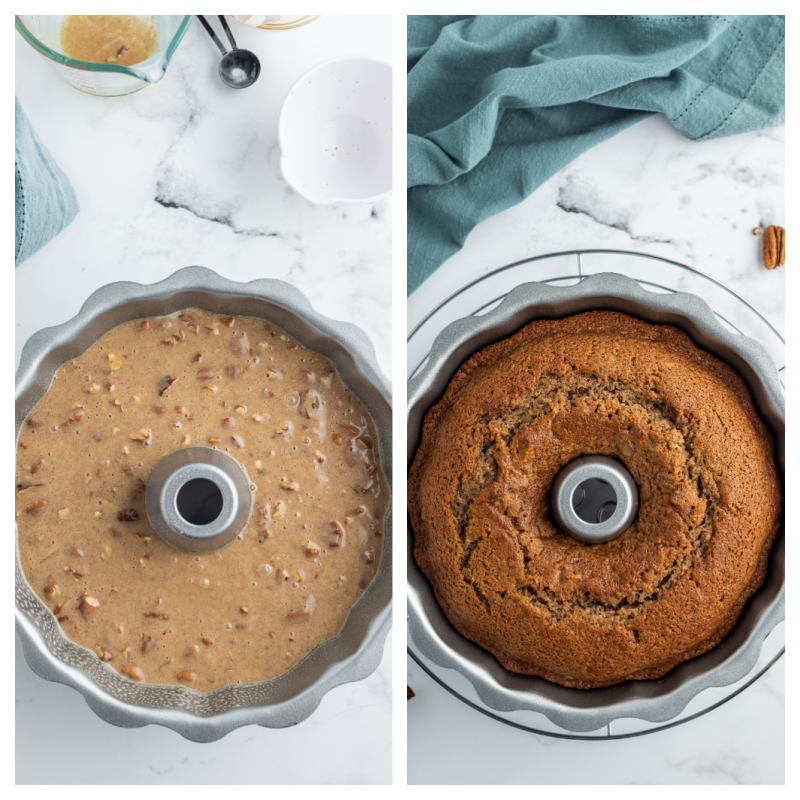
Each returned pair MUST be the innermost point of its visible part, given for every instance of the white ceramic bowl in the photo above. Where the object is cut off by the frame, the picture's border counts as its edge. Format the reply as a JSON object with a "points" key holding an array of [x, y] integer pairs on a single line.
{"points": [[335, 132]]}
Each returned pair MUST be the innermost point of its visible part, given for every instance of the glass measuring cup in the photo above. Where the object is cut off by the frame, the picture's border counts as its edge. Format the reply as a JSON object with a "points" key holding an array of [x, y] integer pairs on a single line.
{"points": [[42, 32]]}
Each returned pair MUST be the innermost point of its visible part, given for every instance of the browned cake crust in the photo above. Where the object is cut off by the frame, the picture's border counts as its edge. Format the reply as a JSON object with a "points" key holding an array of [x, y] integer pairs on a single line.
{"points": [[666, 590]]}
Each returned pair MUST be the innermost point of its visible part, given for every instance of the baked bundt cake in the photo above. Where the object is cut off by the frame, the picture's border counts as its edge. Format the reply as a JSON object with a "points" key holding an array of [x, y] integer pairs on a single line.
{"points": [[667, 589]]}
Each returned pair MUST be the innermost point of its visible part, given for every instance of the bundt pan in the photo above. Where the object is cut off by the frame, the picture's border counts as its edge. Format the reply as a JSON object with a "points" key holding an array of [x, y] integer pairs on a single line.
{"points": [[350, 656], [582, 710]]}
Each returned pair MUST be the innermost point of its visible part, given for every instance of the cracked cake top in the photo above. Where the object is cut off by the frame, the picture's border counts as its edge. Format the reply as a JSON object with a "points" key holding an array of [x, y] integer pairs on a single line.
{"points": [[589, 615]]}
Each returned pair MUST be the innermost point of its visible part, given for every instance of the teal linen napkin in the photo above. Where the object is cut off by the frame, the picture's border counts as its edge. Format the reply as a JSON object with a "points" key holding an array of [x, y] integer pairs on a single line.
{"points": [[45, 199], [498, 104]]}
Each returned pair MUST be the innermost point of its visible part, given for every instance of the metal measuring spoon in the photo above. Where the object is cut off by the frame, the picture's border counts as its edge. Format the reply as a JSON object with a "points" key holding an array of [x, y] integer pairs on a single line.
{"points": [[238, 68]]}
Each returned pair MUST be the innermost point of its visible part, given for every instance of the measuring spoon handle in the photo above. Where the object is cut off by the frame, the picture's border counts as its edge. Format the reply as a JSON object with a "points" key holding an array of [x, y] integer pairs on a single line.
{"points": [[227, 31], [211, 33]]}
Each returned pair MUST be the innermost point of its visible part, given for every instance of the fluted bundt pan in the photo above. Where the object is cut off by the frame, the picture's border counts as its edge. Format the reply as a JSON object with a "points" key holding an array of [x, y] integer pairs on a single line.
{"points": [[350, 656], [654, 701]]}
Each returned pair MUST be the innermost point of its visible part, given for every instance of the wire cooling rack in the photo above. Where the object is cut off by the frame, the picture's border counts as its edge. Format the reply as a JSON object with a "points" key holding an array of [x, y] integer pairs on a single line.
{"points": [[655, 274]]}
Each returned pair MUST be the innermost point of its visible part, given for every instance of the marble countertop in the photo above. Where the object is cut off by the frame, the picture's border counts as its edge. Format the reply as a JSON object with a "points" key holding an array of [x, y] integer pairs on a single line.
{"points": [[651, 191], [186, 172]]}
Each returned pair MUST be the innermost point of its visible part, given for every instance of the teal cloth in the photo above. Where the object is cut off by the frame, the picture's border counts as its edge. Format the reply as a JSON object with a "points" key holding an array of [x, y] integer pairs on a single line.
{"points": [[45, 199], [498, 104]]}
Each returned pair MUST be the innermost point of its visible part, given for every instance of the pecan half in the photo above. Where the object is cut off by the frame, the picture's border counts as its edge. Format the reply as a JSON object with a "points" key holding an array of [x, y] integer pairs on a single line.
{"points": [[774, 244]]}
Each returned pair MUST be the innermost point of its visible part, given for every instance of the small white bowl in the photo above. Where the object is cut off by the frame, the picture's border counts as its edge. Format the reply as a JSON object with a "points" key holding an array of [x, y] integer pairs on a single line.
{"points": [[335, 132]]}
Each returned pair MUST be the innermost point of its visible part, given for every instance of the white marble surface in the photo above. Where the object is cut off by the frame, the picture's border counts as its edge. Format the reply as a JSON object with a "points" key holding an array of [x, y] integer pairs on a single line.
{"points": [[647, 190], [186, 172], [651, 191]]}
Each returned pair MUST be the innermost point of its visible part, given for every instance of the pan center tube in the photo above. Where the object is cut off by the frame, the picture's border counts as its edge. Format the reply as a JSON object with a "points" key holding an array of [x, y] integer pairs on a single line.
{"points": [[198, 499], [594, 499]]}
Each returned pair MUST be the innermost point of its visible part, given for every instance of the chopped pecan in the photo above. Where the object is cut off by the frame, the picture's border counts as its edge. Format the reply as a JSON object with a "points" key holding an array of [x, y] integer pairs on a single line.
{"points": [[88, 606], [337, 540], [24, 487], [310, 404], [165, 383], [76, 571], [135, 673], [143, 435], [30, 509]]}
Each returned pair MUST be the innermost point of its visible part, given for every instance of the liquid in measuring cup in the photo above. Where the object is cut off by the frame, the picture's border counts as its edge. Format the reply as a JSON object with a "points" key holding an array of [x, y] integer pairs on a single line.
{"points": [[106, 55], [121, 39]]}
